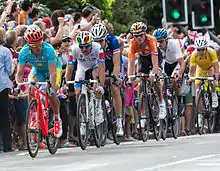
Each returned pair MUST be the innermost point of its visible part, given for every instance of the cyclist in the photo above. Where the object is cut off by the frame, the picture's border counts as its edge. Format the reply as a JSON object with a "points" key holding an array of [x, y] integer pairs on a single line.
{"points": [[203, 63], [144, 47], [90, 63], [174, 61], [113, 63], [45, 63]]}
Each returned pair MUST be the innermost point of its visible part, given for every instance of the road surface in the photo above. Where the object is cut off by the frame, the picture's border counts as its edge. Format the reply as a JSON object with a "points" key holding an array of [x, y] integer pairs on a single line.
{"points": [[193, 153]]}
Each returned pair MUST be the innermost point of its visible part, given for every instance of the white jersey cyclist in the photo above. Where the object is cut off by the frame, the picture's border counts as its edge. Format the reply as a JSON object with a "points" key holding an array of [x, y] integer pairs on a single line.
{"points": [[171, 52], [85, 62]]}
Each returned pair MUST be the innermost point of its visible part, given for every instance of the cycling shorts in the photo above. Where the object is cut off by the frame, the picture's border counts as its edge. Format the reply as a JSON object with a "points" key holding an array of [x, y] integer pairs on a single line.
{"points": [[34, 74], [83, 74]]}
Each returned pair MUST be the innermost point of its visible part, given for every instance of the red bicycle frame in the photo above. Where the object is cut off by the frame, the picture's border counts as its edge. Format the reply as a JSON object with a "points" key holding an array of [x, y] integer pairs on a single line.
{"points": [[41, 118]]}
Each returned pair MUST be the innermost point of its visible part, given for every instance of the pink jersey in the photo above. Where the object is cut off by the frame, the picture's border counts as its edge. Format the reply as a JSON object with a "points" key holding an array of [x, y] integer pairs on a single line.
{"points": [[129, 95]]}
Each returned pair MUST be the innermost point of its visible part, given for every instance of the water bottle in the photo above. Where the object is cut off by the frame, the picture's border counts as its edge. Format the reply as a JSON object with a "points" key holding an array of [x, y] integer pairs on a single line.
{"points": [[108, 107]]}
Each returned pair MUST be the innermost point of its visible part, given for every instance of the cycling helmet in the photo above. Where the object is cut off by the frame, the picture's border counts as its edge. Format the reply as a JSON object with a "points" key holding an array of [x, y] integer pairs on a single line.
{"points": [[190, 48], [201, 43], [33, 34], [99, 31], [84, 37], [160, 33], [138, 28]]}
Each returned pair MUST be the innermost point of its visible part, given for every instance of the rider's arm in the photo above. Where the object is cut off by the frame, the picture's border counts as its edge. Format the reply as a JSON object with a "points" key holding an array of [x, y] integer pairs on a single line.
{"points": [[101, 67], [21, 64], [70, 66], [154, 55], [116, 57], [216, 68], [20, 73], [193, 64], [182, 65], [52, 71], [131, 58]]}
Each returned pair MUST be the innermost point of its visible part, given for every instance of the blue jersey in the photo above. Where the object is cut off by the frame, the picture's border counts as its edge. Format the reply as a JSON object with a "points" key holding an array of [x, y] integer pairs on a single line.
{"points": [[112, 47], [48, 55]]}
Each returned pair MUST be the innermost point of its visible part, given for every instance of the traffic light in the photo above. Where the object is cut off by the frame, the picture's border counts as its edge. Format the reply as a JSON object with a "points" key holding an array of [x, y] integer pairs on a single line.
{"points": [[202, 14], [175, 11]]}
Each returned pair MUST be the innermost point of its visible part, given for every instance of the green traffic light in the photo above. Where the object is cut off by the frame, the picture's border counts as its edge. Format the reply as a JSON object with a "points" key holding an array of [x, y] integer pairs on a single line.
{"points": [[204, 19], [175, 14]]}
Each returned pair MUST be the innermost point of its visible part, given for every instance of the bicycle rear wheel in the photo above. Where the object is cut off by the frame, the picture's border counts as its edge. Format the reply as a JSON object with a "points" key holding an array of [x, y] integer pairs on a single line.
{"points": [[144, 122], [82, 124], [157, 123], [211, 117], [101, 129], [32, 127], [200, 112], [52, 141], [175, 119]]}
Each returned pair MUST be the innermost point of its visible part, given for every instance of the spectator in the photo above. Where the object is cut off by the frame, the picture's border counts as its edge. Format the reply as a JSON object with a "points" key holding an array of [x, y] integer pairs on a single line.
{"points": [[26, 8], [5, 72], [33, 16], [57, 31], [89, 18]]}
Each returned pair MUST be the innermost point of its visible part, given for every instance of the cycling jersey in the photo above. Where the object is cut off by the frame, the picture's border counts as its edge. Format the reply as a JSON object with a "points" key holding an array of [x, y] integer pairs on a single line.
{"points": [[89, 61], [112, 47], [85, 63], [173, 51], [149, 47], [40, 64], [47, 56], [204, 63]]}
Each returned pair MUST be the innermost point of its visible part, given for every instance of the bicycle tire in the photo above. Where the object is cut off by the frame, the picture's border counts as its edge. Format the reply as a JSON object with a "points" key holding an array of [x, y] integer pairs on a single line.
{"points": [[175, 119], [143, 101], [212, 117], [36, 138], [198, 107], [83, 143], [105, 124], [154, 116], [164, 128], [52, 148]]}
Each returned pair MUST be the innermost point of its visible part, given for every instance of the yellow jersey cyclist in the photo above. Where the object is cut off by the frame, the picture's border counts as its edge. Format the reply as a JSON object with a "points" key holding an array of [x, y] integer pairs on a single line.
{"points": [[203, 63], [45, 63], [144, 47]]}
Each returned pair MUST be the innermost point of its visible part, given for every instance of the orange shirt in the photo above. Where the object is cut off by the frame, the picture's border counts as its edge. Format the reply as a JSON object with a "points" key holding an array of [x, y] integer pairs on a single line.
{"points": [[149, 47], [23, 17]]}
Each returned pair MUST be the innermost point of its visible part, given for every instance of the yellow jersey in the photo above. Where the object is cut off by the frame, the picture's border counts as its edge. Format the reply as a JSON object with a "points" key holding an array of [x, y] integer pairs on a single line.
{"points": [[204, 63]]}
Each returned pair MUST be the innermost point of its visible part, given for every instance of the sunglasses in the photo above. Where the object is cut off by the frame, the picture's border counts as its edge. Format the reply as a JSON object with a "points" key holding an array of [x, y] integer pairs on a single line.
{"points": [[34, 46], [86, 46], [100, 41], [202, 49], [138, 35]]}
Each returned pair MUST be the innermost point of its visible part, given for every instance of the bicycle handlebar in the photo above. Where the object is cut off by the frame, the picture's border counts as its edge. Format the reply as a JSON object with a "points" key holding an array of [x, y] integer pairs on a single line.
{"points": [[202, 78]]}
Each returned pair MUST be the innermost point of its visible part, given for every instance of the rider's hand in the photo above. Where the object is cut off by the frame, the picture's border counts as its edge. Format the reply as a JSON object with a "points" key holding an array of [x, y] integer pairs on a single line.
{"points": [[64, 88], [100, 89], [178, 77]]}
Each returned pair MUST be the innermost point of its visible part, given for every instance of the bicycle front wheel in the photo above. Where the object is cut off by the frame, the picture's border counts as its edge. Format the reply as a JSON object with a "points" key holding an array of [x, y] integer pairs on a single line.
{"points": [[82, 123], [200, 113], [33, 130], [52, 141], [144, 119], [101, 129], [175, 119]]}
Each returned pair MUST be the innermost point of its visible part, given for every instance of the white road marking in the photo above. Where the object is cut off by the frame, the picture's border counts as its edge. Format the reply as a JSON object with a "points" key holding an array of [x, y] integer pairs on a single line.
{"points": [[178, 162]]}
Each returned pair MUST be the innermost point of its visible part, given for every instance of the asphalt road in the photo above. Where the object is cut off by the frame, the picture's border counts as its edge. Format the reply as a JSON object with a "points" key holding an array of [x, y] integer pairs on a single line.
{"points": [[194, 153]]}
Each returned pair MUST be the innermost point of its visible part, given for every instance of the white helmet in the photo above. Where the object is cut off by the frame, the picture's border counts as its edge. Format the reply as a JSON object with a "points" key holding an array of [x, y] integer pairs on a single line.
{"points": [[201, 43], [99, 31]]}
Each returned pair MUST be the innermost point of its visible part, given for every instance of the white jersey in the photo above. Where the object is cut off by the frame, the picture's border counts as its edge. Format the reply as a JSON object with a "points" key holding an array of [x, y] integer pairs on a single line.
{"points": [[89, 61], [173, 52]]}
